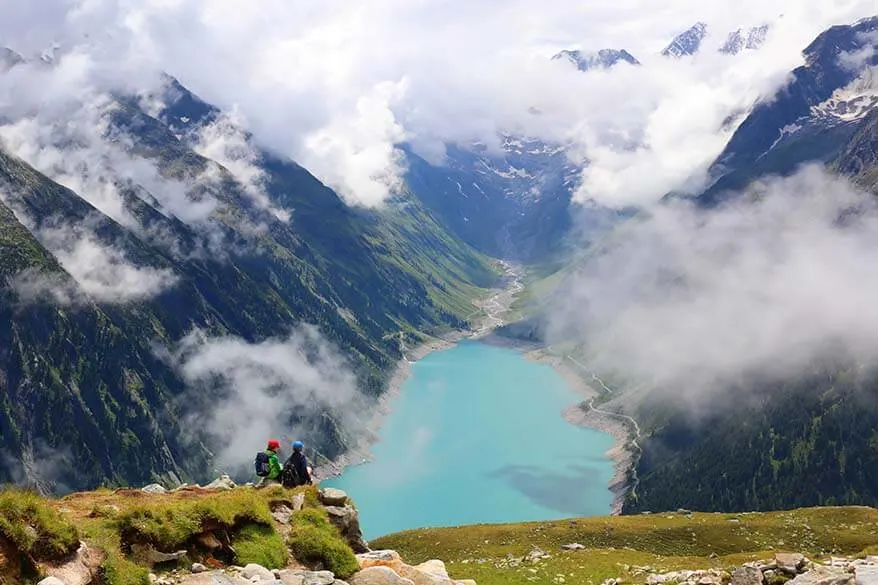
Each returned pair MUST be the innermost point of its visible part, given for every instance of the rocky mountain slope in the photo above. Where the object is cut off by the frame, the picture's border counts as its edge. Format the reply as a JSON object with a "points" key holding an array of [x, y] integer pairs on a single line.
{"points": [[829, 101], [99, 303], [806, 438]]}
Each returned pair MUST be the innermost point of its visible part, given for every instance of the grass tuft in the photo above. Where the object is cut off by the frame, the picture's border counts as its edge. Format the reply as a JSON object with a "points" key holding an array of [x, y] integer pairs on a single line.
{"points": [[313, 539], [33, 527], [256, 543]]}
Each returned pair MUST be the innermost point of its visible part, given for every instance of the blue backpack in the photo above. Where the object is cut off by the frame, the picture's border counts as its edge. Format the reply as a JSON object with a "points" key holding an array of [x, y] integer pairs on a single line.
{"points": [[263, 467]]}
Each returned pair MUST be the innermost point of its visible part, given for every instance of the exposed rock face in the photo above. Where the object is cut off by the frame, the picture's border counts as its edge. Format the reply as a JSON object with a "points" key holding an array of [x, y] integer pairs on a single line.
{"points": [[347, 520], [79, 569], [332, 497], [253, 570], [154, 488]]}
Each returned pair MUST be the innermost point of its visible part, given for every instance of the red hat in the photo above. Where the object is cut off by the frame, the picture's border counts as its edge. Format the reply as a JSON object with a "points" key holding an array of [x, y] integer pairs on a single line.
{"points": [[273, 444]]}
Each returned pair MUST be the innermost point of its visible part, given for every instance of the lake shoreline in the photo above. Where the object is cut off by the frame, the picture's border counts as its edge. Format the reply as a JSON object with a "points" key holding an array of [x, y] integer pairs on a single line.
{"points": [[620, 454]]}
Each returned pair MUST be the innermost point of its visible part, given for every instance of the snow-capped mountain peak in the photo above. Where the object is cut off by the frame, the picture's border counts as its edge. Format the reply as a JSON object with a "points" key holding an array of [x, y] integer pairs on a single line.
{"points": [[687, 42], [603, 59], [745, 40]]}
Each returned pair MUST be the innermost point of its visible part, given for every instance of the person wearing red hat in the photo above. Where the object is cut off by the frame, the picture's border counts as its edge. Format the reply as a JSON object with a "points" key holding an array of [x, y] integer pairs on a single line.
{"points": [[272, 477]]}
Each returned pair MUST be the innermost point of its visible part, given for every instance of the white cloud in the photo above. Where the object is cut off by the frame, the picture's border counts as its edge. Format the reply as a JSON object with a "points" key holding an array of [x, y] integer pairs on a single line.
{"points": [[104, 273], [243, 393], [338, 84], [691, 300]]}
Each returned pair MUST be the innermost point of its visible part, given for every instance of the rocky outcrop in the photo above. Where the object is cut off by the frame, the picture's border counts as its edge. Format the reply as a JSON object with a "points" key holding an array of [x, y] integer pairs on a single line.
{"points": [[347, 520], [386, 567]]}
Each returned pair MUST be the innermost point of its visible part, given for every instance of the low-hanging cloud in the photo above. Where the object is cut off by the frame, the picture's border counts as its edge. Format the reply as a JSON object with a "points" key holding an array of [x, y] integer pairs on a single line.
{"points": [[243, 393], [338, 85], [692, 300]]}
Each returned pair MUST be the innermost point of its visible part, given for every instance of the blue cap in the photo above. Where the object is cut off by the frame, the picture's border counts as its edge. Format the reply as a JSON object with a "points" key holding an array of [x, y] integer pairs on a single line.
{"points": [[298, 445]]}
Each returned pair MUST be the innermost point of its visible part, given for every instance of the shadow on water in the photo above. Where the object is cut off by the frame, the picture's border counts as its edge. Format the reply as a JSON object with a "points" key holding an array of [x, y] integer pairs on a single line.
{"points": [[556, 491]]}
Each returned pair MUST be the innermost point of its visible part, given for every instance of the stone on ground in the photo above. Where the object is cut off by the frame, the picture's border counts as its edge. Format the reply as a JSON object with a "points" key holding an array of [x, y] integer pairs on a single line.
{"points": [[51, 581], [198, 568], [253, 570], [434, 567], [790, 563], [379, 576], [223, 482], [147, 555], [747, 576], [154, 488], [824, 576], [332, 497], [281, 514], [299, 577], [572, 546], [298, 502], [213, 578]]}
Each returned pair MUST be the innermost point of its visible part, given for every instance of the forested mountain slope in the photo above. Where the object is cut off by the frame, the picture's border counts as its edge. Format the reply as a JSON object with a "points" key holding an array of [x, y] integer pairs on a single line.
{"points": [[98, 311]]}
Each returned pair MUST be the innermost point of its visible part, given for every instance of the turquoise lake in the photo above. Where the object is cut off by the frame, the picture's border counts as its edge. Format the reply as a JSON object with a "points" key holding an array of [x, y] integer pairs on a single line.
{"points": [[477, 436]]}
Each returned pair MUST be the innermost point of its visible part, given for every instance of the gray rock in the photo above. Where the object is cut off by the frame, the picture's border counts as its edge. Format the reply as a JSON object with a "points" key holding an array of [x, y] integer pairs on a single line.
{"points": [[379, 555], [294, 577], [378, 576], [223, 482], [51, 581], [790, 563], [747, 576], [572, 546], [282, 514], [198, 568], [332, 497], [154, 488], [824, 576], [147, 555], [347, 520], [867, 575], [253, 570]]}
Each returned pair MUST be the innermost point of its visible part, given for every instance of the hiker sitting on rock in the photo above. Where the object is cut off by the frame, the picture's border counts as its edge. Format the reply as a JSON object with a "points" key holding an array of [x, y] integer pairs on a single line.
{"points": [[268, 465], [296, 471]]}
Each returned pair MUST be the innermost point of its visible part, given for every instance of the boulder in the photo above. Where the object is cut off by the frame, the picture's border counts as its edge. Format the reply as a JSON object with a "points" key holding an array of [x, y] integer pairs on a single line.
{"points": [[301, 577], [51, 581], [281, 514], [154, 488], [866, 574], [747, 576], [824, 576], [147, 555], [790, 563], [419, 577], [332, 497], [434, 567], [379, 576], [253, 570], [347, 520], [223, 482], [198, 568], [80, 568], [572, 546], [380, 558]]}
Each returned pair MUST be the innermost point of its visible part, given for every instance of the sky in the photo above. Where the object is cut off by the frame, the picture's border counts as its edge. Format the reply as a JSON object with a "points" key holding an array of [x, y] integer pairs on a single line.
{"points": [[340, 85]]}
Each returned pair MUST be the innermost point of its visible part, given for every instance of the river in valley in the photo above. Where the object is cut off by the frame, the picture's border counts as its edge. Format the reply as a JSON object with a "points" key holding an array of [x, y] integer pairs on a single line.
{"points": [[477, 436]]}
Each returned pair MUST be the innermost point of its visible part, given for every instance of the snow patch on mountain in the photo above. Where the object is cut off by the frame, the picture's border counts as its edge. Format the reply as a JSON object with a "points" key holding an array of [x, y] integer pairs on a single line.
{"points": [[603, 59], [687, 42]]}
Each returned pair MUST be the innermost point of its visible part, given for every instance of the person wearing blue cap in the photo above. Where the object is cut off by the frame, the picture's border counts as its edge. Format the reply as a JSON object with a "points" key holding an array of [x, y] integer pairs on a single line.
{"points": [[296, 471]]}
